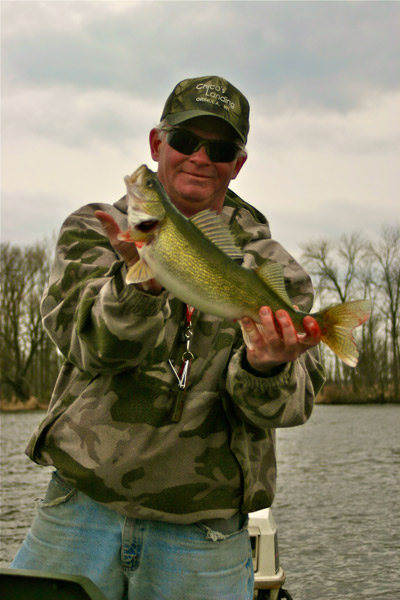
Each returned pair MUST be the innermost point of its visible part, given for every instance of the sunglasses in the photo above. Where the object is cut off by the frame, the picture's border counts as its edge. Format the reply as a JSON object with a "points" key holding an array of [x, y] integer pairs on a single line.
{"points": [[188, 143]]}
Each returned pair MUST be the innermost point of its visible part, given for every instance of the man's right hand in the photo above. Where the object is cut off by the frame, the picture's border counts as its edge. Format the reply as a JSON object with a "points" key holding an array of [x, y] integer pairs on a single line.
{"points": [[126, 250]]}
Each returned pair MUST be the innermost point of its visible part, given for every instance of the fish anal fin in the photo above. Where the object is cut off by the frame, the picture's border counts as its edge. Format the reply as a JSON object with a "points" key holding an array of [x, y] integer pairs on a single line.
{"points": [[139, 272], [272, 275], [213, 227]]}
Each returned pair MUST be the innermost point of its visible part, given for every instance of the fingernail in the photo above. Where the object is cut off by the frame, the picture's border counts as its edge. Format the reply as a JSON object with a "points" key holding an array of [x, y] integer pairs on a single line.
{"points": [[281, 315], [265, 311], [312, 326]]}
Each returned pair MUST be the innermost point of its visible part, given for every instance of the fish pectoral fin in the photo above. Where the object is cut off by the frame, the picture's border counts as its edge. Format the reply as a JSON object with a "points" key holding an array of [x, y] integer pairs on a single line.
{"points": [[214, 228], [139, 272], [246, 338], [272, 275]]}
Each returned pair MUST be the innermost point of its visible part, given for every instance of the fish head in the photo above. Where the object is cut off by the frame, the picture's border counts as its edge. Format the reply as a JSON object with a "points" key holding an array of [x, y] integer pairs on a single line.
{"points": [[146, 198]]}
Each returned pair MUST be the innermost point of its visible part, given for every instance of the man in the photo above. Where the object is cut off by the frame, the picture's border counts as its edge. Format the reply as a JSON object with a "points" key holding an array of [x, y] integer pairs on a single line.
{"points": [[146, 503]]}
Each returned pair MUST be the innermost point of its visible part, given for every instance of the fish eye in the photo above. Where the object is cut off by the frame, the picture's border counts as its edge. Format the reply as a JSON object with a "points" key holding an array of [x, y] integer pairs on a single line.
{"points": [[149, 183]]}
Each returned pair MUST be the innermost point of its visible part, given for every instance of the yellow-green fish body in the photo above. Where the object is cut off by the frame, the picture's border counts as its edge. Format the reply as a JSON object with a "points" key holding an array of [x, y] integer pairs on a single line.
{"points": [[195, 259]]}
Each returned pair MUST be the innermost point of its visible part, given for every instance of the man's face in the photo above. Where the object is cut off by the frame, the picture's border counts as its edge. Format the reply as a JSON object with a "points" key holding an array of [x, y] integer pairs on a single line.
{"points": [[193, 182]]}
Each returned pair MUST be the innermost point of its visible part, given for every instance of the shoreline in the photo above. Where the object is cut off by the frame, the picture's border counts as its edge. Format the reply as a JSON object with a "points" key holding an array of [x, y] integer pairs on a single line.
{"points": [[33, 404], [334, 402], [335, 394], [14, 405]]}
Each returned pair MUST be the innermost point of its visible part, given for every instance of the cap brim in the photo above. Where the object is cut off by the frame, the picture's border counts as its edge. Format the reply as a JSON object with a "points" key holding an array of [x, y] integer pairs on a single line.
{"points": [[181, 117]]}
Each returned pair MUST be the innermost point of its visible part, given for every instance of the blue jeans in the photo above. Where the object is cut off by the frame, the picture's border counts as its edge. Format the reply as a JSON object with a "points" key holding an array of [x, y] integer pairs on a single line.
{"points": [[132, 559]]}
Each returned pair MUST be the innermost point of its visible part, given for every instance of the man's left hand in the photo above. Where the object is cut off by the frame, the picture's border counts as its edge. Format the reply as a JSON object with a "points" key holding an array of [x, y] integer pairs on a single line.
{"points": [[278, 342]]}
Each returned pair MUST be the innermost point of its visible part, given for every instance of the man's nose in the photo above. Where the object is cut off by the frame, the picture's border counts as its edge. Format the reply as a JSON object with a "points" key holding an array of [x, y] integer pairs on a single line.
{"points": [[200, 156]]}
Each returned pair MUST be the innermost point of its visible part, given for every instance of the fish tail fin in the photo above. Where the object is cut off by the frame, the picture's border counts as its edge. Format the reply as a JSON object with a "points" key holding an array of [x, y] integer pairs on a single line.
{"points": [[337, 324]]}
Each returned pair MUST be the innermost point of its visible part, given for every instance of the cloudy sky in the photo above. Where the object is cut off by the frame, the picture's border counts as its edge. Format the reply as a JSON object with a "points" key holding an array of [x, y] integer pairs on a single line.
{"points": [[83, 82]]}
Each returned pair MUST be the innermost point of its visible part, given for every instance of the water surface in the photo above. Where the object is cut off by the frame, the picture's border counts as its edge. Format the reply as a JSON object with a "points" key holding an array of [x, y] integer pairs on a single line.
{"points": [[337, 503]]}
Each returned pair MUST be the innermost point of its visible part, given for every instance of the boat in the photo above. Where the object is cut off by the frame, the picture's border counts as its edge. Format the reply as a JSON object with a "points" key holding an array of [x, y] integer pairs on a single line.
{"points": [[269, 576]]}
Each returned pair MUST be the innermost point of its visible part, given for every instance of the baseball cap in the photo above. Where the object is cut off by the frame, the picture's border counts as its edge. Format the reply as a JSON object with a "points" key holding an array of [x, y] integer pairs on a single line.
{"points": [[208, 96]]}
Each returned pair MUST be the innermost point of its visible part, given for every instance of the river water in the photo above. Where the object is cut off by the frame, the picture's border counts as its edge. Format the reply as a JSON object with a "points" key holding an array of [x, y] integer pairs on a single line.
{"points": [[337, 505]]}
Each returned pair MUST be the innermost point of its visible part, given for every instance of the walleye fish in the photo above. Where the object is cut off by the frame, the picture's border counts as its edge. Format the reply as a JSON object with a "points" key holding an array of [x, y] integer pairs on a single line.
{"points": [[195, 259]]}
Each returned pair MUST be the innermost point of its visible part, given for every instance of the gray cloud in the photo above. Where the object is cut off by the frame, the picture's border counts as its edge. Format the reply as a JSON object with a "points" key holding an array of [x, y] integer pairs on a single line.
{"points": [[74, 117], [84, 81], [38, 218], [318, 53], [330, 219]]}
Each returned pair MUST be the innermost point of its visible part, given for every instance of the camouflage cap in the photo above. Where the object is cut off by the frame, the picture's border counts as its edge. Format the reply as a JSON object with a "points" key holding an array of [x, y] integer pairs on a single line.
{"points": [[208, 96]]}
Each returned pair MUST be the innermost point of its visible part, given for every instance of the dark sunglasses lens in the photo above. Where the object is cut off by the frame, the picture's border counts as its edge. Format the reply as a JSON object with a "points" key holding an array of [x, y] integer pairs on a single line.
{"points": [[187, 143], [182, 141], [222, 151]]}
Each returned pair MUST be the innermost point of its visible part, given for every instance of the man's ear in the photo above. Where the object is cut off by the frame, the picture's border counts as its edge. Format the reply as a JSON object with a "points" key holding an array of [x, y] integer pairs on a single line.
{"points": [[239, 164], [154, 139]]}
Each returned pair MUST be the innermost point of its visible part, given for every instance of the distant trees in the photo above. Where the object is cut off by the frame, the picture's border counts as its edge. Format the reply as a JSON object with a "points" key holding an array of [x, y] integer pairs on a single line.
{"points": [[386, 256], [351, 267], [28, 359]]}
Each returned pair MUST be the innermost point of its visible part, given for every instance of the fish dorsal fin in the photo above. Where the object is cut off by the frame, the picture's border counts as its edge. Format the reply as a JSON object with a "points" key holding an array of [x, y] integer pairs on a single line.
{"points": [[272, 275], [213, 227], [139, 272]]}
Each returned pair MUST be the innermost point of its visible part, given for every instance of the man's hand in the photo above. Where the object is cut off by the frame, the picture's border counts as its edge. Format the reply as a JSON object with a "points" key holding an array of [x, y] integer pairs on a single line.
{"points": [[278, 342], [126, 250]]}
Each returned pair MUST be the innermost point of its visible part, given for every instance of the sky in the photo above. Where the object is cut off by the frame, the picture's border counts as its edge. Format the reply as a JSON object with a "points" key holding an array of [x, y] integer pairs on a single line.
{"points": [[83, 82]]}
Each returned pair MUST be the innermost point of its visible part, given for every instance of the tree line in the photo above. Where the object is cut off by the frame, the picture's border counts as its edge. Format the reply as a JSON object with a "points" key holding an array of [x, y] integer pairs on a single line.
{"points": [[353, 267], [347, 268]]}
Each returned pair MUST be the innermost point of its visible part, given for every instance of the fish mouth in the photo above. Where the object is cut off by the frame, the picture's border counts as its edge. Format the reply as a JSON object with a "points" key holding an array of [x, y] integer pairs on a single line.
{"points": [[147, 226]]}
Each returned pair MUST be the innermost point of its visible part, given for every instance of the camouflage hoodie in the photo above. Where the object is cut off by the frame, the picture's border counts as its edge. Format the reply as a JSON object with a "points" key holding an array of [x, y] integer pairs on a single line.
{"points": [[109, 429]]}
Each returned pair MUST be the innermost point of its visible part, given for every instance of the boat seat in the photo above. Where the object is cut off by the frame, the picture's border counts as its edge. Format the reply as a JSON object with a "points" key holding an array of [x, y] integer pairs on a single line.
{"points": [[21, 584]]}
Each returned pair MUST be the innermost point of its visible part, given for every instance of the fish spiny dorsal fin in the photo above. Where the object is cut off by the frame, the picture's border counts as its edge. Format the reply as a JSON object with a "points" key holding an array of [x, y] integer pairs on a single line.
{"points": [[213, 227], [272, 275]]}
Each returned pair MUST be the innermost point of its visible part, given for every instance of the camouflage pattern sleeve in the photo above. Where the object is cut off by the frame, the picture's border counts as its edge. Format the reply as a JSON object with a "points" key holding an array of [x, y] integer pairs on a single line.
{"points": [[256, 405], [98, 323], [287, 398], [283, 400]]}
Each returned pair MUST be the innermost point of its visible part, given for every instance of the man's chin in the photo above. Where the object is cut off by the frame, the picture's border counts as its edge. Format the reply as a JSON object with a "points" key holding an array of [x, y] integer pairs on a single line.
{"points": [[195, 192], [190, 203]]}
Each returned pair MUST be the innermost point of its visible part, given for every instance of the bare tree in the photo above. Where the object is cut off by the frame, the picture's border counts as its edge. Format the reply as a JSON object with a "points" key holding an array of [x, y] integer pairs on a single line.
{"points": [[386, 253], [24, 275], [334, 265], [339, 274]]}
